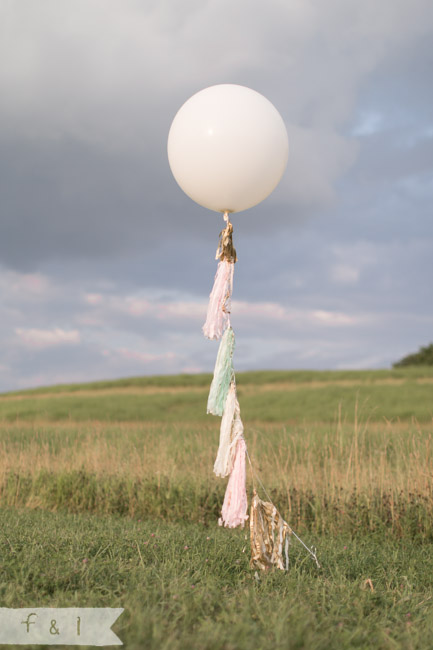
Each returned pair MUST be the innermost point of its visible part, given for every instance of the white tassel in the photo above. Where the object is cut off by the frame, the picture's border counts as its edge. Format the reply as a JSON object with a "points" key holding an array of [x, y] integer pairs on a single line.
{"points": [[235, 506], [231, 431], [218, 311]]}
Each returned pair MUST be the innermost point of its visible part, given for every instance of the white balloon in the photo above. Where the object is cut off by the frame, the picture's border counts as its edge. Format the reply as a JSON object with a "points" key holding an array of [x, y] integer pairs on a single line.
{"points": [[228, 147]]}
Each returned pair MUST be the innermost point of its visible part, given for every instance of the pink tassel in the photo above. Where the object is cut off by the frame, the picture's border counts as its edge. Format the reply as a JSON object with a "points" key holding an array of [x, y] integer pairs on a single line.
{"points": [[234, 510], [218, 311]]}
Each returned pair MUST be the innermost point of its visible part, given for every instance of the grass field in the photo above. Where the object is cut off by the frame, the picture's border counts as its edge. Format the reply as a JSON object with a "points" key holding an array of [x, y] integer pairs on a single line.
{"points": [[107, 498]]}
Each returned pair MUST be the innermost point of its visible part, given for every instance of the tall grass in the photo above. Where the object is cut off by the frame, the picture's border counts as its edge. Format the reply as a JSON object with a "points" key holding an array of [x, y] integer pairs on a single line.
{"points": [[322, 478], [126, 470]]}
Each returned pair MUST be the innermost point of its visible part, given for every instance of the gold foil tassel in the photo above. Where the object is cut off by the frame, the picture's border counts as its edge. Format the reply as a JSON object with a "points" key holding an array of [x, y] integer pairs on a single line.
{"points": [[269, 535], [226, 251]]}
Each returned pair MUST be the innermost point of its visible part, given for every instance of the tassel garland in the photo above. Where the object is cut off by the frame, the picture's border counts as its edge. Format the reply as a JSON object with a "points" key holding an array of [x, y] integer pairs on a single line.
{"points": [[235, 506], [218, 311], [269, 534], [223, 374], [231, 431]]}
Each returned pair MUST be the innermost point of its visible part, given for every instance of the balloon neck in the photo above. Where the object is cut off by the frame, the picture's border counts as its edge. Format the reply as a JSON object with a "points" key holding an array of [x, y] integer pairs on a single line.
{"points": [[226, 217]]}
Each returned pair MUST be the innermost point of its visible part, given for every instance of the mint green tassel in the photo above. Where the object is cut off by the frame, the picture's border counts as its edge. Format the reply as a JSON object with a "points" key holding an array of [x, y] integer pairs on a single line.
{"points": [[222, 375]]}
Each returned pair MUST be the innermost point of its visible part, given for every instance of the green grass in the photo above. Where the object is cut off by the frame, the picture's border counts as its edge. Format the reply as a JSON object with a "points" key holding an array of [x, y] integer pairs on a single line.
{"points": [[325, 479], [205, 596], [253, 377], [297, 396], [102, 486]]}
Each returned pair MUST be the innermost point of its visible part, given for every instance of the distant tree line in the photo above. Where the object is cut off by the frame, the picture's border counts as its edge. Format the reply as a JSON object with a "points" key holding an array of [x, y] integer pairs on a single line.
{"points": [[424, 357]]}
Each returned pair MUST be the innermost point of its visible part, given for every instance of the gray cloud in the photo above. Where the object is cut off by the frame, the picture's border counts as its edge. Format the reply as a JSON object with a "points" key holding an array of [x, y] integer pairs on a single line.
{"points": [[87, 199], [90, 90]]}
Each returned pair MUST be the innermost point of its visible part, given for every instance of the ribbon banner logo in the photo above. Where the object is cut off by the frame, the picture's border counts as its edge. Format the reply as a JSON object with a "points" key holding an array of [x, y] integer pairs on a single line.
{"points": [[59, 625]]}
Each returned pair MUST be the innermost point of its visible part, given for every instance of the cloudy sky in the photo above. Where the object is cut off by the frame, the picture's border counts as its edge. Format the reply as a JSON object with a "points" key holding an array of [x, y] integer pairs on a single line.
{"points": [[106, 266]]}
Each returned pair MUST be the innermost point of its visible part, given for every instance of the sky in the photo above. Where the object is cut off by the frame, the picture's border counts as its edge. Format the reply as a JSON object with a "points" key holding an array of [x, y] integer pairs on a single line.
{"points": [[106, 265]]}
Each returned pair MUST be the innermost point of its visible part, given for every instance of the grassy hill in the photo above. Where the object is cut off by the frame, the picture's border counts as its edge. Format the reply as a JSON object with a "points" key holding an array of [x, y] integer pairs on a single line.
{"points": [[267, 396], [107, 498]]}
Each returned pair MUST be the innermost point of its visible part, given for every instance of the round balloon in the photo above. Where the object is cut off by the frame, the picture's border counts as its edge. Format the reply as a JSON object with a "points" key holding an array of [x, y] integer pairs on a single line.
{"points": [[228, 147]]}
